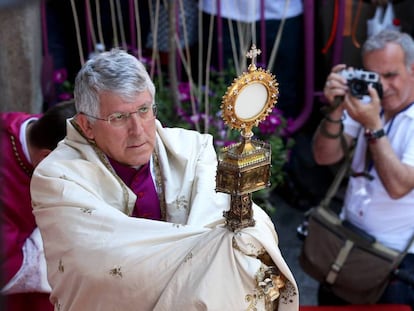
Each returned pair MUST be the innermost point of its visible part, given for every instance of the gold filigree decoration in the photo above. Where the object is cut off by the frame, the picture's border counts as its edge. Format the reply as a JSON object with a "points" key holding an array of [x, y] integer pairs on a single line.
{"points": [[288, 292], [258, 78], [252, 300], [244, 167], [159, 183], [272, 284]]}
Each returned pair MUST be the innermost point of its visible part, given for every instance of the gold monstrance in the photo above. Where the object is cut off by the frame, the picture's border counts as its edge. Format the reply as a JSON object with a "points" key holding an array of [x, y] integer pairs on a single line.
{"points": [[244, 167]]}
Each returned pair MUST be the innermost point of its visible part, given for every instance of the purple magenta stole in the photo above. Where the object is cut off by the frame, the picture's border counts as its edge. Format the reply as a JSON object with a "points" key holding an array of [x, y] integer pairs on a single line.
{"points": [[141, 183]]}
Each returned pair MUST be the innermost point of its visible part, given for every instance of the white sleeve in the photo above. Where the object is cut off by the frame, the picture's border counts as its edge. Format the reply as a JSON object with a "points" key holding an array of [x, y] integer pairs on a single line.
{"points": [[32, 276], [351, 127]]}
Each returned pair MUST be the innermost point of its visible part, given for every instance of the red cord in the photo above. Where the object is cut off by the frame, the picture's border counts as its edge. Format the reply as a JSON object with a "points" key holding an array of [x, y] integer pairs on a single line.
{"points": [[333, 29], [355, 25]]}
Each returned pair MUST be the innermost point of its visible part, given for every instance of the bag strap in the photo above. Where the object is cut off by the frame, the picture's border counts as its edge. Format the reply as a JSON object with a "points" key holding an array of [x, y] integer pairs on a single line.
{"points": [[404, 252], [339, 262], [325, 203], [333, 188], [348, 153]]}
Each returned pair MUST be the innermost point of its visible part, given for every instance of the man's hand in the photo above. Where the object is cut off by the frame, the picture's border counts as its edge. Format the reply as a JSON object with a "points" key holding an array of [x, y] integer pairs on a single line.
{"points": [[336, 85], [366, 113]]}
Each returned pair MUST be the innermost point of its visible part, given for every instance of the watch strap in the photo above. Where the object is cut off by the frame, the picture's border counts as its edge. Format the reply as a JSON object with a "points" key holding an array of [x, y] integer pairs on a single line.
{"points": [[373, 135]]}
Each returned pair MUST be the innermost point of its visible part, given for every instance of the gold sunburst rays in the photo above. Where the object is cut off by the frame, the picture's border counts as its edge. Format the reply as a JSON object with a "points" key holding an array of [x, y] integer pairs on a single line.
{"points": [[249, 99]]}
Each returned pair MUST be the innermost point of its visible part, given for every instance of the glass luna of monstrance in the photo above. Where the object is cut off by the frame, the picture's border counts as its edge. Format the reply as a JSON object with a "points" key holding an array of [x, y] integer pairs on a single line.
{"points": [[244, 167]]}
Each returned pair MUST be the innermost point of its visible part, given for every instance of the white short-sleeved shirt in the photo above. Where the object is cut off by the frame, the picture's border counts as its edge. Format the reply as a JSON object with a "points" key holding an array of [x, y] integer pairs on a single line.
{"points": [[249, 10], [367, 203]]}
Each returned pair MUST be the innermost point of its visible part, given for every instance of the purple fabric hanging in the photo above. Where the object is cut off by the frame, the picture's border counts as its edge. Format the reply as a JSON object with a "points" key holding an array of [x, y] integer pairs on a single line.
{"points": [[133, 44], [262, 33], [220, 37], [309, 16], [48, 87]]}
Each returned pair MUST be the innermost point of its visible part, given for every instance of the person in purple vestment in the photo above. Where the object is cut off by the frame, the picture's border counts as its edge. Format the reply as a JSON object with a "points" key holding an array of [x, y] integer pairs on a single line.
{"points": [[25, 140], [129, 214]]}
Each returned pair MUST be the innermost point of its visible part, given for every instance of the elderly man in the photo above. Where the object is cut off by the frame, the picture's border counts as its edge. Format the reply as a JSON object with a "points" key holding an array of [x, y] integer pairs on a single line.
{"points": [[129, 214], [380, 195]]}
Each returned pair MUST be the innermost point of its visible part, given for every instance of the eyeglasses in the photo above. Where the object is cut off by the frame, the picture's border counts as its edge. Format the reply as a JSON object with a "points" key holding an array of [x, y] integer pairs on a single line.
{"points": [[118, 119]]}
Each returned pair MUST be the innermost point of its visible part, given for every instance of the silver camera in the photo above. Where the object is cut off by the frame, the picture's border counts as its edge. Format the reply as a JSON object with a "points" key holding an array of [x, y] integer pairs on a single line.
{"points": [[358, 81]]}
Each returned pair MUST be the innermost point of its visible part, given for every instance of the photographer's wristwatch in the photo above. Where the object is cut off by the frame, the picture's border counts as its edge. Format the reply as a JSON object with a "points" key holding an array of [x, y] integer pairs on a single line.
{"points": [[372, 135]]}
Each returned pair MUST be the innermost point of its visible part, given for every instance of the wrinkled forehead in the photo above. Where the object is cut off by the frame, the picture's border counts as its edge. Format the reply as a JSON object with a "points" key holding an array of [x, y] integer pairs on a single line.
{"points": [[382, 61], [112, 102]]}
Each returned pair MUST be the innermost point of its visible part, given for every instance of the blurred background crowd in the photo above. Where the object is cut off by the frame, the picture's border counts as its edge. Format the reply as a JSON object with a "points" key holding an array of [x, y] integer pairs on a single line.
{"points": [[193, 50]]}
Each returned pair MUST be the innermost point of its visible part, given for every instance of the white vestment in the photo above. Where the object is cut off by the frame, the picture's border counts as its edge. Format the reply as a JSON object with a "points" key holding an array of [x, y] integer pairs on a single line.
{"points": [[100, 258]]}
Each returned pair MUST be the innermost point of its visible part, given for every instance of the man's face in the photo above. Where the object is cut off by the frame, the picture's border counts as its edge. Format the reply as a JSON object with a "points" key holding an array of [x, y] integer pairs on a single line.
{"points": [[131, 143], [397, 80]]}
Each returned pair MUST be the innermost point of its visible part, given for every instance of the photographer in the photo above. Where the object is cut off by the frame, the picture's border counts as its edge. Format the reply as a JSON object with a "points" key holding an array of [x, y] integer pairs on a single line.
{"points": [[380, 197]]}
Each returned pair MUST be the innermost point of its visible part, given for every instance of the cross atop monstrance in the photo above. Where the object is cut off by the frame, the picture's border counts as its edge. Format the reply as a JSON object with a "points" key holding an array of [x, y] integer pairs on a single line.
{"points": [[252, 54], [244, 167]]}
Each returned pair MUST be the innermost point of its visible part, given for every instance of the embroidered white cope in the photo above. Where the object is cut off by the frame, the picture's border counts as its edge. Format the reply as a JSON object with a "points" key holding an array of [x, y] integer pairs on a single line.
{"points": [[99, 258]]}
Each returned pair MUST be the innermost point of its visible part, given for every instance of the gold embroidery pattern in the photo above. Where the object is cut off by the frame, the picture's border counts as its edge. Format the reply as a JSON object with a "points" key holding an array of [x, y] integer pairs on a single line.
{"points": [[87, 210], [235, 245], [159, 184], [253, 252], [181, 203], [287, 293], [252, 299], [116, 271], [105, 161], [274, 286], [253, 249], [188, 257], [61, 268]]}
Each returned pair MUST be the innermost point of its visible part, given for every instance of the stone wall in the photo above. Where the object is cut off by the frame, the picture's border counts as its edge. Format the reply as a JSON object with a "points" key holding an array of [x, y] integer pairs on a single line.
{"points": [[20, 57]]}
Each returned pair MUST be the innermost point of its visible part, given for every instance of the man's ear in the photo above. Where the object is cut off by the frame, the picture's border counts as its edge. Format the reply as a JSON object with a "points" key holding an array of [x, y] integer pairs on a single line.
{"points": [[85, 125]]}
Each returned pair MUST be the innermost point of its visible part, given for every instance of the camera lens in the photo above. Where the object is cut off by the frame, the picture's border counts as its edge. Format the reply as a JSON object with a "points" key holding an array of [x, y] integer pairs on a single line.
{"points": [[358, 88]]}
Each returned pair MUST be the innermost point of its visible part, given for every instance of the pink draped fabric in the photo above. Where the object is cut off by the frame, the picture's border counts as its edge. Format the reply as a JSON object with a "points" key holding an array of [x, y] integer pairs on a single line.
{"points": [[17, 220]]}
